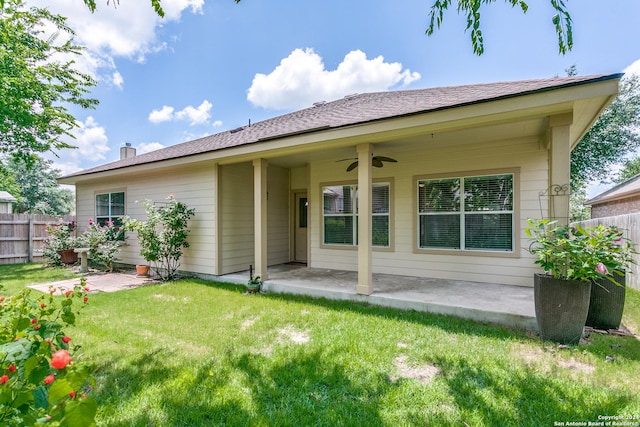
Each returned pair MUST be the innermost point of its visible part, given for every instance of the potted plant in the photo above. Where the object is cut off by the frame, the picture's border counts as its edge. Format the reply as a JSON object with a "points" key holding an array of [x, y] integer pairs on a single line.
{"points": [[254, 283], [59, 244], [574, 258]]}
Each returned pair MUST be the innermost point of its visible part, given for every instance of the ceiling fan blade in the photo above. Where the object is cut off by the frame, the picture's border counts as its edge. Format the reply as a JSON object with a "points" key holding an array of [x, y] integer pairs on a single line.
{"points": [[376, 162], [352, 166], [385, 159]]}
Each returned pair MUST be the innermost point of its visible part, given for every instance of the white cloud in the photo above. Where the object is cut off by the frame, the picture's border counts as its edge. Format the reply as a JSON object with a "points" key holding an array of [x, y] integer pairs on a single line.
{"points": [[164, 114], [92, 146], [217, 123], [117, 79], [146, 147], [120, 29], [301, 79], [194, 115], [634, 68]]}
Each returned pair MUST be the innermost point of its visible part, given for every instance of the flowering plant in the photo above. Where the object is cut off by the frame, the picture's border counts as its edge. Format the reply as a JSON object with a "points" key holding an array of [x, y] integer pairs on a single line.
{"points": [[580, 253], [104, 243], [43, 377], [60, 237]]}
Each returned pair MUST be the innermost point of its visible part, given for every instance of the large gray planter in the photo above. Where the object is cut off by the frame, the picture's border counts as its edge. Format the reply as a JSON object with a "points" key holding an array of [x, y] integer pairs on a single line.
{"points": [[606, 303], [561, 308]]}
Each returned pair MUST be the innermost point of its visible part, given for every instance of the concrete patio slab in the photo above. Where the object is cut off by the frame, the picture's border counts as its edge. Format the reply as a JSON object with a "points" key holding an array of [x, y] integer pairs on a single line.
{"points": [[506, 305], [98, 282]]}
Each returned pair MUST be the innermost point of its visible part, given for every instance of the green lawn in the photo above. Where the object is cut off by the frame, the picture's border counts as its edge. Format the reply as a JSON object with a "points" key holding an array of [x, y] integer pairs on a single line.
{"points": [[196, 353]]}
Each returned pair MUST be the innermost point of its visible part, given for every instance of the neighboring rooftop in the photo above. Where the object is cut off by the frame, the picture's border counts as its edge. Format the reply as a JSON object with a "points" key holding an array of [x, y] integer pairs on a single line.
{"points": [[629, 188], [6, 197], [352, 110]]}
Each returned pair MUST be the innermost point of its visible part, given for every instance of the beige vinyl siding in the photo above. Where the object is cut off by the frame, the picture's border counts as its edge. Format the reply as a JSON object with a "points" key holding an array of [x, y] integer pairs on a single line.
{"points": [[278, 216], [192, 186], [236, 217], [525, 155]]}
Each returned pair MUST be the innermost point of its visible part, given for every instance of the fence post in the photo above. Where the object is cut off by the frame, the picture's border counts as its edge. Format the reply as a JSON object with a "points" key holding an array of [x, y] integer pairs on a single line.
{"points": [[30, 237]]}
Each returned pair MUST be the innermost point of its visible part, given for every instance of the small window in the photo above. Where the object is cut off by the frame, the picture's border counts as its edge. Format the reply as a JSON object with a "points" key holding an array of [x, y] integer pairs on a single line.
{"points": [[340, 215], [109, 207], [466, 213]]}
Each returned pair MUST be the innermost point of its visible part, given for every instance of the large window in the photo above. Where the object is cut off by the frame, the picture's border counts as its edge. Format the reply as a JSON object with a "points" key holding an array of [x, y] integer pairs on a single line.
{"points": [[109, 207], [340, 214], [467, 213]]}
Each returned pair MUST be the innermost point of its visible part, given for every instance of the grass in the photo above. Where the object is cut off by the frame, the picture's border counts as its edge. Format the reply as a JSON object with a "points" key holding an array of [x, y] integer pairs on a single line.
{"points": [[194, 353], [15, 277]]}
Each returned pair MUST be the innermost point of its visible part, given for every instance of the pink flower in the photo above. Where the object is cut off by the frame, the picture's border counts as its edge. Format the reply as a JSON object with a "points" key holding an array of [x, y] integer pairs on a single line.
{"points": [[109, 223], [49, 379], [602, 269], [90, 221], [60, 359]]}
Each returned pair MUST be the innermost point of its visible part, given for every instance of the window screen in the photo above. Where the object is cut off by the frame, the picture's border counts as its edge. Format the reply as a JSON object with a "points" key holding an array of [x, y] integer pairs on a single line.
{"points": [[466, 213], [340, 214]]}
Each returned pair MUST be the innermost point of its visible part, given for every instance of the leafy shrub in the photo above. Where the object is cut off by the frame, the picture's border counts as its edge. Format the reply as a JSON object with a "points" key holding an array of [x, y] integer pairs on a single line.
{"points": [[60, 236], [43, 379], [104, 242], [163, 235]]}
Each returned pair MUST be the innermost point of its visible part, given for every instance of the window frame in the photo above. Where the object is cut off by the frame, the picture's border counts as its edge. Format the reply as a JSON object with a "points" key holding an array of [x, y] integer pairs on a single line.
{"points": [[111, 216], [390, 215], [514, 253]]}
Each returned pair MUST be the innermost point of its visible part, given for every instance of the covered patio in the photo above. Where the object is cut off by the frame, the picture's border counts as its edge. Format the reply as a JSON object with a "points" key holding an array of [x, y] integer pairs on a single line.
{"points": [[506, 305]]}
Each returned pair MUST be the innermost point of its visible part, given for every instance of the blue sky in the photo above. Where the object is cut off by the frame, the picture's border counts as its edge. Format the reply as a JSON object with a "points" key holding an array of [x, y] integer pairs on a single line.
{"points": [[212, 65]]}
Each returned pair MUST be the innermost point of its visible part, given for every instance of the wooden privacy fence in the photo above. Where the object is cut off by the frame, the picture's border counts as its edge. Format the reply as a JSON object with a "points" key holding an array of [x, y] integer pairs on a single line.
{"points": [[21, 236], [630, 224]]}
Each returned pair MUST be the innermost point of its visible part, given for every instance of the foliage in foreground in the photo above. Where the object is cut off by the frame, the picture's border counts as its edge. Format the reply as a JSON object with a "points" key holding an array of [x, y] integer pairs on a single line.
{"points": [[43, 381]]}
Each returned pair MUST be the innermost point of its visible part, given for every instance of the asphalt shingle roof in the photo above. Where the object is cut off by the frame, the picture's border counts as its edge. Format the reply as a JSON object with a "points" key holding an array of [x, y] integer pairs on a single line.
{"points": [[351, 110]]}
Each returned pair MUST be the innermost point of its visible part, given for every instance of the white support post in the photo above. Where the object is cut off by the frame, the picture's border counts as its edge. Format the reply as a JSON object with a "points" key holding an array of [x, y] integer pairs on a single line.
{"points": [[260, 216], [560, 167], [365, 172]]}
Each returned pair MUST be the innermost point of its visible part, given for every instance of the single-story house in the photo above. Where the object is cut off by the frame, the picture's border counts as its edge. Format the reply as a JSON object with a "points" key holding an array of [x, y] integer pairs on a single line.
{"points": [[444, 182], [6, 202], [622, 199]]}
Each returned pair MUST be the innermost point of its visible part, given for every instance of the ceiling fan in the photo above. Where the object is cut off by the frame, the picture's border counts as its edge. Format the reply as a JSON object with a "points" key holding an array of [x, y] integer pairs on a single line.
{"points": [[376, 161]]}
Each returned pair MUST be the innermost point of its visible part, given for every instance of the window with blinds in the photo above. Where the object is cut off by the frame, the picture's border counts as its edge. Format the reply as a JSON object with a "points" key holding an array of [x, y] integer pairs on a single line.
{"points": [[466, 213], [340, 214], [109, 207]]}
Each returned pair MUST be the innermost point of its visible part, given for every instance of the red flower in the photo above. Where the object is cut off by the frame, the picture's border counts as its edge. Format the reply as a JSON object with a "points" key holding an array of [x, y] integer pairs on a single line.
{"points": [[1, 299], [4, 379], [12, 368], [66, 339], [86, 299], [60, 359], [66, 294], [34, 321], [52, 291], [43, 305], [72, 394], [37, 327], [86, 288], [49, 379]]}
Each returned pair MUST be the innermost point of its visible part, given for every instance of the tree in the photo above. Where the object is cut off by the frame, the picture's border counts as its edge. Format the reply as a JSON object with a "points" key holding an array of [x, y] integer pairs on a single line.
{"points": [[630, 168], [37, 80], [8, 182], [615, 134], [39, 189], [561, 20]]}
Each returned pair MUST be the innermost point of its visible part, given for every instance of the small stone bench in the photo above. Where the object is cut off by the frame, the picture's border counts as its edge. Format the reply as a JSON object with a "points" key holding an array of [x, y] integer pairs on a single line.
{"points": [[84, 267]]}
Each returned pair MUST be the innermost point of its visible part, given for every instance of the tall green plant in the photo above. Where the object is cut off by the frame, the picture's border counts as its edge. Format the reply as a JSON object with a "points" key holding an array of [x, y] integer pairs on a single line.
{"points": [[163, 235]]}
